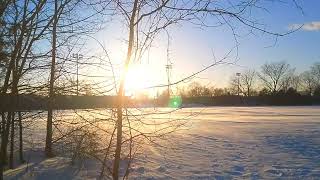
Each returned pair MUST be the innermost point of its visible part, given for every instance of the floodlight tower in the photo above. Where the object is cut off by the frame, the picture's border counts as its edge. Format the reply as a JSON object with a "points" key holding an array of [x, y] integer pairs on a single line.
{"points": [[77, 56], [238, 75], [169, 64], [168, 69]]}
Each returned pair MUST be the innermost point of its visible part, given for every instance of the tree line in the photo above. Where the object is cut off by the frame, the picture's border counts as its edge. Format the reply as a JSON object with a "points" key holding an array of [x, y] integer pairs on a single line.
{"points": [[272, 79]]}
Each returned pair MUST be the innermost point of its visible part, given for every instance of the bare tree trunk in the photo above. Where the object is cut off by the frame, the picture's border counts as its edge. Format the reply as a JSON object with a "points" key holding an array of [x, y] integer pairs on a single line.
{"points": [[6, 121], [120, 98], [48, 147], [2, 138], [20, 139], [4, 143], [2, 124], [11, 142]]}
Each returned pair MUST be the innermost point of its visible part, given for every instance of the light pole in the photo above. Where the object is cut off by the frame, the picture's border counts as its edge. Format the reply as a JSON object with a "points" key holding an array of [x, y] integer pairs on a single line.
{"points": [[168, 65], [168, 68], [77, 56], [238, 75]]}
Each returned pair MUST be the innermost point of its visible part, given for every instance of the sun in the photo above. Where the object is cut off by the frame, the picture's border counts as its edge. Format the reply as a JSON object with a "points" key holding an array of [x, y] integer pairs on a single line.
{"points": [[137, 79]]}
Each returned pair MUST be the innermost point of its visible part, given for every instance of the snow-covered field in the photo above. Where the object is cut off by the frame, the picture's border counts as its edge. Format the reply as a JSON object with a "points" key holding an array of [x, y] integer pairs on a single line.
{"points": [[217, 143]]}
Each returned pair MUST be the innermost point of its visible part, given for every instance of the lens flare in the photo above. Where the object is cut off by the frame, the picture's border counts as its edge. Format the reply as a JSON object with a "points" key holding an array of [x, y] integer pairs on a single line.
{"points": [[175, 102]]}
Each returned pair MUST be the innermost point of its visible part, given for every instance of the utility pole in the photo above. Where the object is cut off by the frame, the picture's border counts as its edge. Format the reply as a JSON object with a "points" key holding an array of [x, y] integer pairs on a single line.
{"points": [[238, 75], [168, 65], [77, 56], [168, 68]]}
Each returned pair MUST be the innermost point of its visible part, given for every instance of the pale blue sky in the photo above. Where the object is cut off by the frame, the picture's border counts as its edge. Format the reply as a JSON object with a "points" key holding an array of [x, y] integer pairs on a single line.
{"points": [[301, 49], [192, 48]]}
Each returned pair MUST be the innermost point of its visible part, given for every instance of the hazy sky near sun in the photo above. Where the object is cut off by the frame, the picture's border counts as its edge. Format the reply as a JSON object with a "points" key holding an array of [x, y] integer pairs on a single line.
{"points": [[192, 48]]}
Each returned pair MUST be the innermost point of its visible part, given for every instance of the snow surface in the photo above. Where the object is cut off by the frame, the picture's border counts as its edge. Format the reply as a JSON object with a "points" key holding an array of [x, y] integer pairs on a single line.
{"points": [[217, 143]]}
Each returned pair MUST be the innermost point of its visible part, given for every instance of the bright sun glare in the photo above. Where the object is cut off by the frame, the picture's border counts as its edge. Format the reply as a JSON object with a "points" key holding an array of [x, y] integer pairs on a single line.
{"points": [[138, 78]]}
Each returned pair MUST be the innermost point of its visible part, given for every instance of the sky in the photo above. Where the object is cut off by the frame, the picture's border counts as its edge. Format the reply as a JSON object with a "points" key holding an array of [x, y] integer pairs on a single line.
{"points": [[192, 48], [300, 49]]}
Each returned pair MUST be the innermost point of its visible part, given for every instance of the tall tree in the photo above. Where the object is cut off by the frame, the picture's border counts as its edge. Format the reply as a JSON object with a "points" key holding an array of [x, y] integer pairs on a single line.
{"points": [[244, 83], [48, 147], [315, 71], [247, 80], [24, 25], [275, 75], [308, 82]]}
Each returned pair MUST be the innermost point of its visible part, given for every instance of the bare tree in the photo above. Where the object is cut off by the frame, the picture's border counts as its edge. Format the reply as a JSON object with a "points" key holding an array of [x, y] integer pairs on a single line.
{"points": [[48, 147], [315, 71], [247, 80], [244, 82], [290, 81], [307, 81], [295, 81], [68, 24], [195, 89], [310, 79], [23, 27], [275, 75]]}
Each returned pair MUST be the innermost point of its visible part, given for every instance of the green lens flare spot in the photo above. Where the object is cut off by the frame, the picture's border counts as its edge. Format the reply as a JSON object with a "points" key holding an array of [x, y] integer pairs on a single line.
{"points": [[175, 102]]}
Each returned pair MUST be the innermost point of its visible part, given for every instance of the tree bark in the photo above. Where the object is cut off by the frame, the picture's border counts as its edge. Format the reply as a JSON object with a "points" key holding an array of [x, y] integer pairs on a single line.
{"points": [[11, 142], [4, 143], [20, 139], [48, 146], [121, 91]]}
